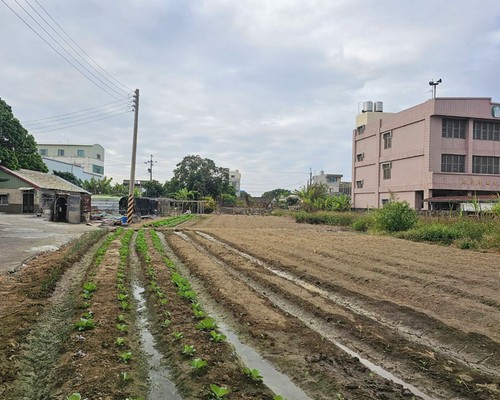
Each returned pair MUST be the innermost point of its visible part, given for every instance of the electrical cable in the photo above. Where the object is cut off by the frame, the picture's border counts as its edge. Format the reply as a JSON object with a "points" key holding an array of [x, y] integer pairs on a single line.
{"points": [[83, 123], [68, 119], [83, 51], [68, 53], [59, 53]]}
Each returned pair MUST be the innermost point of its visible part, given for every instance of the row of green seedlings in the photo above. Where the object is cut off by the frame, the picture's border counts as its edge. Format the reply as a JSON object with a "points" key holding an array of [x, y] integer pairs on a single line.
{"points": [[86, 321], [186, 291], [125, 353], [171, 221]]}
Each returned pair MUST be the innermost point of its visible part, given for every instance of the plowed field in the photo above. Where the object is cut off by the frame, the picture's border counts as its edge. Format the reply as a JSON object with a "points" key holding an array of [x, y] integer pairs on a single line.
{"points": [[343, 315]]}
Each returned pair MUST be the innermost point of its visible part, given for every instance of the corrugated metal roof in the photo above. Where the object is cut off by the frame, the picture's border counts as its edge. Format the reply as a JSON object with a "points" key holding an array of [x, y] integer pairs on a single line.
{"points": [[463, 199], [45, 181]]}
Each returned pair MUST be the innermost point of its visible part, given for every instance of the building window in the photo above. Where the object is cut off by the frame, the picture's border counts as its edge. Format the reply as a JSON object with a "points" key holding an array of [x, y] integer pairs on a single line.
{"points": [[454, 128], [452, 163], [80, 153], [98, 156], [43, 152], [359, 184], [331, 179], [60, 152], [485, 165], [360, 129], [385, 201], [4, 199], [360, 156], [487, 130], [387, 136], [386, 169], [97, 169]]}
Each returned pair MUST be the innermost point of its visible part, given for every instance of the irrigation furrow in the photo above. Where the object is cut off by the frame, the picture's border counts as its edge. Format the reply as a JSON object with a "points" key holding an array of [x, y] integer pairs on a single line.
{"points": [[467, 348], [429, 345]]}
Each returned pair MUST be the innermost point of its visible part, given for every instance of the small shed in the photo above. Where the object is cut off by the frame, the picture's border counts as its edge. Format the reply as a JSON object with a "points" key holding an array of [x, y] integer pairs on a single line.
{"points": [[32, 192]]}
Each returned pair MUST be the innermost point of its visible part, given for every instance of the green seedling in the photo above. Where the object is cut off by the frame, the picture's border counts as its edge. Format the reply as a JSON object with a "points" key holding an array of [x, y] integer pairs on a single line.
{"points": [[188, 350], [217, 337], [122, 327], [198, 364], [253, 374], [121, 318], [206, 324], [126, 356], [278, 397], [125, 376], [86, 295], [166, 323], [187, 294], [218, 392], [84, 324], [122, 296], [85, 304], [124, 305], [163, 302], [120, 341], [121, 287], [199, 314], [89, 287], [167, 314], [74, 396], [177, 335]]}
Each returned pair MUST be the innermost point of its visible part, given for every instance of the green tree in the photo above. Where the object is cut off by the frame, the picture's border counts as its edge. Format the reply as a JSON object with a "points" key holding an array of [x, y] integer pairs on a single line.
{"points": [[184, 194], [17, 147], [119, 190], [98, 186], [313, 196], [276, 194], [201, 176], [153, 189], [68, 176], [396, 216]]}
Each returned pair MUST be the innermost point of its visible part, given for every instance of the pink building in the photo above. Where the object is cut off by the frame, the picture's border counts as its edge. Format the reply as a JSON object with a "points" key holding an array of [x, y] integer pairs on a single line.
{"points": [[435, 155]]}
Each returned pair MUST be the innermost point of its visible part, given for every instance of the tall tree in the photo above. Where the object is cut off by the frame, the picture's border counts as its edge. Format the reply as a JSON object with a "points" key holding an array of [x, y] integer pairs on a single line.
{"points": [[201, 176], [17, 147], [153, 189]]}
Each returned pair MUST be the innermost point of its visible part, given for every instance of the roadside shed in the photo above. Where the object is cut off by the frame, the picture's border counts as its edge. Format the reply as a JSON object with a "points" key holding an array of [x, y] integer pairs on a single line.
{"points": [[32, 192]]}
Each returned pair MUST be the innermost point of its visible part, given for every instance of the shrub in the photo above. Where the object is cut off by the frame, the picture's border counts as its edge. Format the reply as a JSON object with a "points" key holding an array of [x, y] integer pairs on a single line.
{"points": [[435, 232], [363, 222], [325, 218], [396, 216]]}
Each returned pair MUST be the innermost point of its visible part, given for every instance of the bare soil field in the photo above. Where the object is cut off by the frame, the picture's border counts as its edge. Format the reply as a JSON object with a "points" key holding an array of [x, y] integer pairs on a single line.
{"points": [[343, 315]]}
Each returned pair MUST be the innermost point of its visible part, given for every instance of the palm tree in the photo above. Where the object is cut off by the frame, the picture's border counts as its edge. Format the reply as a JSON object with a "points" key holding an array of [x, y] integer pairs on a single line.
{"points": [[184, 194]]}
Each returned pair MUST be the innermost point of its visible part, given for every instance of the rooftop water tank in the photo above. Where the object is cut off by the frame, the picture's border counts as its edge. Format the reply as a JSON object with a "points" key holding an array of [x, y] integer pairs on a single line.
{"points": [[379, 106], [368, 106]]}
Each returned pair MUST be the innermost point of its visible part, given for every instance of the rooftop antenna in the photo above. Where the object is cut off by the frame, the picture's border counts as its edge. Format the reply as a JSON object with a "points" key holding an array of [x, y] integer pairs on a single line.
{"points": [[434, 84]]}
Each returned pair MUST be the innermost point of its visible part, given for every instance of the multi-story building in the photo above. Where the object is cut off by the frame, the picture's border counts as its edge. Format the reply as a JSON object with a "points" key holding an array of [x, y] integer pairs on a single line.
{"points": [[436, 155], [235, 180], [90, 157], [332, 181]]}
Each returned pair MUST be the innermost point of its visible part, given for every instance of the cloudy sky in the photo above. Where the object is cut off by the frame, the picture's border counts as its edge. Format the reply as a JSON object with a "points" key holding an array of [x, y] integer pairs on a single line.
{"points": [[268, 87]]}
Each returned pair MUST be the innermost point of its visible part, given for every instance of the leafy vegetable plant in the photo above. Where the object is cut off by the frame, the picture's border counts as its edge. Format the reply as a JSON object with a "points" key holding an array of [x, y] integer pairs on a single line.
{"points": [[198, 364], [218, 392], [126, 356], [253, 374], [120, 341], [74, 396], [188, 350], [217, 337], [84, 324], [206, 324]]}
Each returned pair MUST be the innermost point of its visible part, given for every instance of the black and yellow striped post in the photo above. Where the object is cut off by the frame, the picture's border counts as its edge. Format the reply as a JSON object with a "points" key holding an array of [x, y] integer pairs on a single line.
{"points": [[130, 208]]}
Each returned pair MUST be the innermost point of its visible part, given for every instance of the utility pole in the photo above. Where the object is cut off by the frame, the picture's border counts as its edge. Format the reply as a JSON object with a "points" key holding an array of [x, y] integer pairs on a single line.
{"points": [[150, 169], [310, 177], [130, 206]]}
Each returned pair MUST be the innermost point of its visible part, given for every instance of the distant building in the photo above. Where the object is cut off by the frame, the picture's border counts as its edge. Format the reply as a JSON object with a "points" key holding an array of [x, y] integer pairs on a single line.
{"points": [[332, 181], [235, 181], [90, 157], [436, 155]]}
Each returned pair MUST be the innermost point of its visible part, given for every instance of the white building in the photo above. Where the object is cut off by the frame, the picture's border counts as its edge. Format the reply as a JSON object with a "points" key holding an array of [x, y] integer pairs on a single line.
{"points": [[235, 181], [90, 157], [332, 181]]}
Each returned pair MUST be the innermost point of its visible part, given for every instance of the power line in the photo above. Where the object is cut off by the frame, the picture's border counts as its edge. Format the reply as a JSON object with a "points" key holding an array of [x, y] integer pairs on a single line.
{"points": [[83, 51], [83, 123], [73, 112], [57, 51], [75, 118]]}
